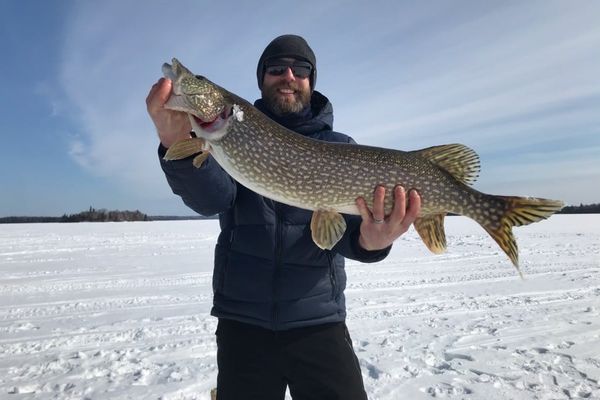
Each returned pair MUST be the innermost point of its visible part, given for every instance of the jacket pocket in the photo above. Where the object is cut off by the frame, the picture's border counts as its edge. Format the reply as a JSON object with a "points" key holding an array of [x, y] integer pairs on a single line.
{"points": [[221, 262]]}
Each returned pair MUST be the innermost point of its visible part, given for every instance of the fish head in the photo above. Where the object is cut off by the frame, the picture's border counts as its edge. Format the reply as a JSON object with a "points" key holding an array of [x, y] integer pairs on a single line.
{"points": [[207, 104]]}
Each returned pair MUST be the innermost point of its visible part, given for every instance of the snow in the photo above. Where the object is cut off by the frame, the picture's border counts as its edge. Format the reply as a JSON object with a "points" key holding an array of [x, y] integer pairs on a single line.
{"points": [[121, 311]]}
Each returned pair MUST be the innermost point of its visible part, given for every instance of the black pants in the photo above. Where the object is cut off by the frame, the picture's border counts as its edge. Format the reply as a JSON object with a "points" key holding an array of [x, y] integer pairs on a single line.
{"points": [[317, 363]]}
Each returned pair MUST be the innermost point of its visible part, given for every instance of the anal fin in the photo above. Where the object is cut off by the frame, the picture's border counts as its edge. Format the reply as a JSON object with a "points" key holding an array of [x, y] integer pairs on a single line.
{"points": [[431, 230], [327, 228]]}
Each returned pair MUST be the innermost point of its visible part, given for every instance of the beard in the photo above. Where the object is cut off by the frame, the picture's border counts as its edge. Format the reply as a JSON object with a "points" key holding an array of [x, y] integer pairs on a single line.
{"points": [[282, 105]]}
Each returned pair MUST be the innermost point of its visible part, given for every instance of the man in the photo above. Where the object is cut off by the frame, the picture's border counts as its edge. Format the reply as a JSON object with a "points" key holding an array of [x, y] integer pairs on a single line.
{"points": [[279, 298]]}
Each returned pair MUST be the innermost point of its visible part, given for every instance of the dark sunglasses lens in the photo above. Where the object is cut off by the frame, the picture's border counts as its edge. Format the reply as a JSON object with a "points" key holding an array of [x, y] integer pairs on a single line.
{"points": [[276, 69], [300, 71]]}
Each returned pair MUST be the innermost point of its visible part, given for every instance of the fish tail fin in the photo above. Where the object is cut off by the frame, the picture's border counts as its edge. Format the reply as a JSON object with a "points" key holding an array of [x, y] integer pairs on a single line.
{"points": [[518, 211]]}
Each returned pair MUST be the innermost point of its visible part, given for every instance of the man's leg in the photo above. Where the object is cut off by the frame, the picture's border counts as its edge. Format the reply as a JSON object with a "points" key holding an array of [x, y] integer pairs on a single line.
{"points": [[322, 364], [249, 363]]}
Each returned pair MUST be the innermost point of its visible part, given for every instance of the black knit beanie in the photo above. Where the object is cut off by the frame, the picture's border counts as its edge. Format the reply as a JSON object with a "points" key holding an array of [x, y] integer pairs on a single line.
{"points": [[293, 46]]}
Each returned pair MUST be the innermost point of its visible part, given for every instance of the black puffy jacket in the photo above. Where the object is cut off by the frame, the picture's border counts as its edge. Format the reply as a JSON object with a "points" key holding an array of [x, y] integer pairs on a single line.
{"points": [[268, 271]]}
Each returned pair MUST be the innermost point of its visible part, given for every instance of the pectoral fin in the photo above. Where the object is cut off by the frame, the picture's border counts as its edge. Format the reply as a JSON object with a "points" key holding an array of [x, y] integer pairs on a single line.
{"points": [[185, 148], [431, 230], [327, 228], [200, 158]]}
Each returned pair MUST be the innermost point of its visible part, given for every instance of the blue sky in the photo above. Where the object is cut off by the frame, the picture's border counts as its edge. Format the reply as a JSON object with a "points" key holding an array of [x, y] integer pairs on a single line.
{"points": [[517, 81]]}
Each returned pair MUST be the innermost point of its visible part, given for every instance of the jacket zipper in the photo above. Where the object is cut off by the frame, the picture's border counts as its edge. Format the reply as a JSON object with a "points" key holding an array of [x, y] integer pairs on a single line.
{"points": [[223, 272], [332, 275], [278, 260]]}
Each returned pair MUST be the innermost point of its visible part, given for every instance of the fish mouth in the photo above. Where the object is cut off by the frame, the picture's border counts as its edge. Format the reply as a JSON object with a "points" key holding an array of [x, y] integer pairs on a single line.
{"points": [[216, 123]]}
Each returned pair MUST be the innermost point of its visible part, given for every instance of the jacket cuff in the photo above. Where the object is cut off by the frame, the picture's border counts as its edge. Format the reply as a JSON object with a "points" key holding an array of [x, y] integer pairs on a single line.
{"points": [[162, 150], [367, 256]]}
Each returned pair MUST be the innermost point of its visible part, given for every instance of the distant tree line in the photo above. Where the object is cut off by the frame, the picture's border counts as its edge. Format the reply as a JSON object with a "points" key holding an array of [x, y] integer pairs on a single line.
{"points": [[102, 215], [581, 209], [92, 215]]}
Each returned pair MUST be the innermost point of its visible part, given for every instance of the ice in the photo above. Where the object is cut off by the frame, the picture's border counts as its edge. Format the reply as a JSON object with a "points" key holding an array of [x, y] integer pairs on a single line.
{"points": [[120, 311]]}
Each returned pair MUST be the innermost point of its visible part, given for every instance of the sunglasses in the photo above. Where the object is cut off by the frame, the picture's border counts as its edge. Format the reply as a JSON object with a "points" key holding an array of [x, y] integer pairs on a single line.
{"points": [[300, 69]]}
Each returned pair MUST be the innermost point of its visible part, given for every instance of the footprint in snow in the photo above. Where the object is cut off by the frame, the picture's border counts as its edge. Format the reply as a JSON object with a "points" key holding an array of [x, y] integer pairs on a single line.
{"points": [[374, 372], [446, 389], [454, 356]]}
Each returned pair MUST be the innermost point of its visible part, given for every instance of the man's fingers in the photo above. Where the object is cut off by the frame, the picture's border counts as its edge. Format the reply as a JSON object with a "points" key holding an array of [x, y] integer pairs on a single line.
{"points": [[159, 94], [414, 206], [361, 204], [151, 94], [399, 204], [379, 203], [164, 90]]}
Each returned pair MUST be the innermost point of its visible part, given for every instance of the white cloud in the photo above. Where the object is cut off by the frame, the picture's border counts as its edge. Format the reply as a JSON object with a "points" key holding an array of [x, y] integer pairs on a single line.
{"points": [[113, 54], [499, 77]]}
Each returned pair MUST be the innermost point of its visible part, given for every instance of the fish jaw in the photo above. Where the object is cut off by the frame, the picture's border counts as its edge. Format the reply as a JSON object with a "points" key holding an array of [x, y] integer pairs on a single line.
{"points": [[212, 131], [195, 95]]}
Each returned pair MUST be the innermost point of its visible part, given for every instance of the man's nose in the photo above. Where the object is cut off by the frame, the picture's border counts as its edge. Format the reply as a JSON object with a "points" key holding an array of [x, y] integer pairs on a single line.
{"points": [[288, 75]]}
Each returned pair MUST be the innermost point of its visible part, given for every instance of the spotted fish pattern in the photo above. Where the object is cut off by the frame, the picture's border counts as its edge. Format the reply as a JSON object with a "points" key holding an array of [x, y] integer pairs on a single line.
{"points": [[328, 177]]}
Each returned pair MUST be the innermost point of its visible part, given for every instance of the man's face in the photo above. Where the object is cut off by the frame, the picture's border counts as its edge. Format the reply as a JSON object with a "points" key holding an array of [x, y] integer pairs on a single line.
{"points": [[285, 93]]}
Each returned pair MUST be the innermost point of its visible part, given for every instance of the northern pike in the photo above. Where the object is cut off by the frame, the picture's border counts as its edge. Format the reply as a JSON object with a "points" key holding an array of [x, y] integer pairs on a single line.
{"points": [[327, 178]]}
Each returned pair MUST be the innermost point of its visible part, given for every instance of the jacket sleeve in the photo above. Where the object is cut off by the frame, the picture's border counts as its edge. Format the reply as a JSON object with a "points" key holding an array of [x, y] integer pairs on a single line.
{"points": [[207, 190], [349, 247]]}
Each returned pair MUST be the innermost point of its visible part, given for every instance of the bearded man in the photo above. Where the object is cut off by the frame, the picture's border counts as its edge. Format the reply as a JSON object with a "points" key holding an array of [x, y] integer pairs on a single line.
{"points": [[279, 299]]}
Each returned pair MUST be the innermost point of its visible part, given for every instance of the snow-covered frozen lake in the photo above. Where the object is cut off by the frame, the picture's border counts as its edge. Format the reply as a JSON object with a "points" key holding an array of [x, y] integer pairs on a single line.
{"points": [[121, 311]]}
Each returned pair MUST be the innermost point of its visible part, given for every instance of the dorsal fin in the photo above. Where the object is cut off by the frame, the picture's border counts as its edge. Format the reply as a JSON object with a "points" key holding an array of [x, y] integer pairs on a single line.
{"points": [[459, 160]]}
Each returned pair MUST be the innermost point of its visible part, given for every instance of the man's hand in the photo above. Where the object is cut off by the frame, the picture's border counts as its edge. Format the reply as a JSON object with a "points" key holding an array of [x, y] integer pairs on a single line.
{"points": [[171, 126], [378, 231]]}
